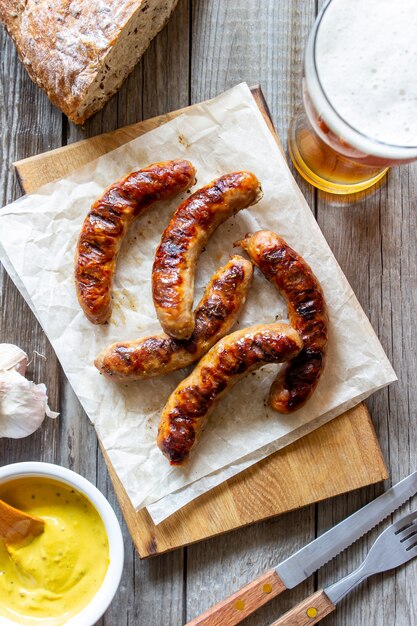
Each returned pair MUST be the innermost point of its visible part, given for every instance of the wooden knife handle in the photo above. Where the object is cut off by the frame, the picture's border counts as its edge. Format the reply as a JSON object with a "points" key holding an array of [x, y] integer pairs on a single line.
{"points": [[244, 602], [308, 612]]}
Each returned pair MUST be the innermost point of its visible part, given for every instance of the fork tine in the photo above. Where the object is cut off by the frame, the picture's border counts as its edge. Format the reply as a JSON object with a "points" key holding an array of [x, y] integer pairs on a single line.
{"points": [[404, 522], [409, 538], [395, 546], [410, 541], [407, 531], [412, 552]]}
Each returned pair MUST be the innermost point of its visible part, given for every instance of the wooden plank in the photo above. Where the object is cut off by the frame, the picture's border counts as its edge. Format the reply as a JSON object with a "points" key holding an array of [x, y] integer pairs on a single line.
{"points": [[38, 129], [155, 589], [260, 43], [40, 169], [229, 506], [135, 600], [380, 262], [83, 440], [370, 237]]}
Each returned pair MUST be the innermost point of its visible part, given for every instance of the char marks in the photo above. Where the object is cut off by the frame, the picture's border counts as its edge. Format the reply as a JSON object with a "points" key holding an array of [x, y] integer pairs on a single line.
{"points": [[186, 412], [307, 311], [160, 354], [106, 225], [186, 235]]}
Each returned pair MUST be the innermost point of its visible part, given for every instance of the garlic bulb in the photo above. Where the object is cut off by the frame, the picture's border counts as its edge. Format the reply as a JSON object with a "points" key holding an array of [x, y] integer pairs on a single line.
{"points": [[13, 357], [23, 404]]}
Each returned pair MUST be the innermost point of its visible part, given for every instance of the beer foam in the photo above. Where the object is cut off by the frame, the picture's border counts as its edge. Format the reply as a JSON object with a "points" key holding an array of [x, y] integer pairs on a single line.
{"points": [[366, 60]]}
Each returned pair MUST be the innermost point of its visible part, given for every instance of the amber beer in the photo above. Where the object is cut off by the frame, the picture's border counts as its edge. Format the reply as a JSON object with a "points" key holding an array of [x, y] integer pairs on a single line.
{"points": [[359, 95]]}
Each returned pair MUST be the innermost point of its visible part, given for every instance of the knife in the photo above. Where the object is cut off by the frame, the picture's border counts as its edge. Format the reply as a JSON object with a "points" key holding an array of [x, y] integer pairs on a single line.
{"points": [[303, 563]]}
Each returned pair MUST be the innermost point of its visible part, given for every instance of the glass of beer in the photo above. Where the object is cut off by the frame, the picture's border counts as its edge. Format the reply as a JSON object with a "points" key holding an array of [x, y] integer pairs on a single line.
{"points": [[359, 95]]}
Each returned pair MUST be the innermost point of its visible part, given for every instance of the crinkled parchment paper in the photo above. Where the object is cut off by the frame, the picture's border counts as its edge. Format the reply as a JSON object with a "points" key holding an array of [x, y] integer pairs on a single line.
{"points": [[38, 234]]}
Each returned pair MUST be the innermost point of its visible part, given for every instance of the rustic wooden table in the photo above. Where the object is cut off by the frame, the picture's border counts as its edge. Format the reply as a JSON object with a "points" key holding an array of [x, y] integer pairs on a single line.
{"points": [[208, 46]]}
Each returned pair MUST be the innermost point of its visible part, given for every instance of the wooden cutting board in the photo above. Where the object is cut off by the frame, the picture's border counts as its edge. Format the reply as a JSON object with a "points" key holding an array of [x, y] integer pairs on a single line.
{"points": [[337, 457]]}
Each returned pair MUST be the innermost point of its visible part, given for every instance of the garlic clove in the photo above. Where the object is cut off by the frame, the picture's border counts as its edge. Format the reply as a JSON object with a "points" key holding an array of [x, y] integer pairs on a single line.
{"points": [[23, 405], [12, 357]]}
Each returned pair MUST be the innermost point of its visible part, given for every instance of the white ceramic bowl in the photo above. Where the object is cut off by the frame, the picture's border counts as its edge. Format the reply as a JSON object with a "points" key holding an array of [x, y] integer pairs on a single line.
{"points": [[101, 600]]}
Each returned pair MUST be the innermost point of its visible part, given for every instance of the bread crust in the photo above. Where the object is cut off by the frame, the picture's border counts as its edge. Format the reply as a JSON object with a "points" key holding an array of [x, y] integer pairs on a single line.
{"points": [[80, 52]]}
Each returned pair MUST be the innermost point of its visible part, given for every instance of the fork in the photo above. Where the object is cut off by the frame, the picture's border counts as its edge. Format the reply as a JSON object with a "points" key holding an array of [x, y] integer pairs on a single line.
{"points": [[395, 546]]}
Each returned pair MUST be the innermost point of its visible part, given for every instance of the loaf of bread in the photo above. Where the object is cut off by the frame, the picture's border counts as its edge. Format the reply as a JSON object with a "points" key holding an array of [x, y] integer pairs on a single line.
{"points": [[81, 51]]}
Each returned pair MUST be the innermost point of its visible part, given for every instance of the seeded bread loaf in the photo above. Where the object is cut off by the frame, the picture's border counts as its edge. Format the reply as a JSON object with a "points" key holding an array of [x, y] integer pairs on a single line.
{"points": [[81, 51]]}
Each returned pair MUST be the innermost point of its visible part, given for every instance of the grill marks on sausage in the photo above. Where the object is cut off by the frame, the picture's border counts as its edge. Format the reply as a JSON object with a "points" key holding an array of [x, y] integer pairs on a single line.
{"points": [[183, 240], [188, 408], [180, 439], [294, 278], [170, 258], [161, 354], [107, 223]]}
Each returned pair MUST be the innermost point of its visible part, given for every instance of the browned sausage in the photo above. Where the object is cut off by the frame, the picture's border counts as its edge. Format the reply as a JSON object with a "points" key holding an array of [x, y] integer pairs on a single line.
{"points": [[293, 277], [234, 356], [214, 317], [106, 225], [184, 238]]}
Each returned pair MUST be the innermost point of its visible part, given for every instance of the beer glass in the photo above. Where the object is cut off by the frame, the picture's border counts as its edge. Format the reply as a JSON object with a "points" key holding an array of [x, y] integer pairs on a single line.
{"points": [[351, 130]]}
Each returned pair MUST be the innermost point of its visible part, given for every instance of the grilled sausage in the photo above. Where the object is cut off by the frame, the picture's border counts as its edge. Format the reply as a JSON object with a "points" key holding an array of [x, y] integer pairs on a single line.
{"points": [[184, 238], [214, 317], [293, 277], [186, 412], [106, 225]]}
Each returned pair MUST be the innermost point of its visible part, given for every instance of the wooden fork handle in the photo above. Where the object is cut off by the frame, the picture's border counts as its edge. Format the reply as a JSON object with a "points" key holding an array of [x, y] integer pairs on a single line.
{"points": [[244, 602], [310, 611]]}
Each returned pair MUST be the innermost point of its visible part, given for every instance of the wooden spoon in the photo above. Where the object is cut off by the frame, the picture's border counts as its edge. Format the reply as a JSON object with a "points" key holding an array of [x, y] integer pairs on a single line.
{"points": [[17, 526]]}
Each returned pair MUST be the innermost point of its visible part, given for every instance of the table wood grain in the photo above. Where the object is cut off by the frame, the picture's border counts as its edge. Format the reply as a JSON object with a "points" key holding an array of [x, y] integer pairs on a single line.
{"points": [[208, 46]]}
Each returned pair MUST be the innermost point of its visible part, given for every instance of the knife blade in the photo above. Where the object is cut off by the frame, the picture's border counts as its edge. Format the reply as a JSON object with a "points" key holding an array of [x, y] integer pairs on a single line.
{"points": [[303, 563], [314, 555]]}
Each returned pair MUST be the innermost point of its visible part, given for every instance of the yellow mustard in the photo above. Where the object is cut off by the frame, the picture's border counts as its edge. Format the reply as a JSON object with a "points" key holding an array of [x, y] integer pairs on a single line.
{"points": [[54, 577]]}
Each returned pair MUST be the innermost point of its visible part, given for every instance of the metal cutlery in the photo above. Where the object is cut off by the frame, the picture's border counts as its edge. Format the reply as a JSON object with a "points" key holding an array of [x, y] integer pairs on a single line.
{"points": [[394, 547], [303, 563]]}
